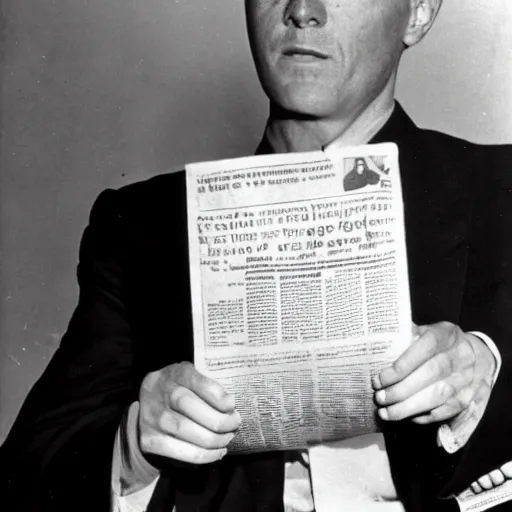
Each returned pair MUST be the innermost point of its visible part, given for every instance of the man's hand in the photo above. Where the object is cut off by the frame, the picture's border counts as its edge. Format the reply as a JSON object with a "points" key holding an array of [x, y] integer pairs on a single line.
{"points": [[185, 416], [437, 377], [493, 479]]}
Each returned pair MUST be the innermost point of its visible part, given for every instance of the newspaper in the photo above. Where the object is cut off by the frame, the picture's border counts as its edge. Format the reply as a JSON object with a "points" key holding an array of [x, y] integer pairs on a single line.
{"points": [[300, 288]]}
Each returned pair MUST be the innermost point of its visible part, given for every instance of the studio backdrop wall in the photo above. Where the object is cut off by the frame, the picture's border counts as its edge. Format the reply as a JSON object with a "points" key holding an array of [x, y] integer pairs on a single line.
{"points": [[98, 94]]}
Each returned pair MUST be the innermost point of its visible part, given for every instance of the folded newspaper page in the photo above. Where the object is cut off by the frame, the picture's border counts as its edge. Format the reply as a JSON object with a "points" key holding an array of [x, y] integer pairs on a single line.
{"points": [[300, 288]]}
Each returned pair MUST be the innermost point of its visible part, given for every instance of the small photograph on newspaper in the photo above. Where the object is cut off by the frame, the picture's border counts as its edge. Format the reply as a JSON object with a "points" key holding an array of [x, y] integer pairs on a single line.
{"points": [[300, 290], [362, 172]]}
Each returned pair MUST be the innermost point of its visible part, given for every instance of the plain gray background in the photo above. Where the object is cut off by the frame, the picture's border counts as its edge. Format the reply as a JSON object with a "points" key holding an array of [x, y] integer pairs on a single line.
{"points": [[99, 93]]}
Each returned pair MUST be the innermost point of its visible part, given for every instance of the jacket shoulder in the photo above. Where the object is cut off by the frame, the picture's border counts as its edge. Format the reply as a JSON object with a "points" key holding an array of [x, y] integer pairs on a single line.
{"points": [[485, 168], [142, 200], [464, 151], [161, 189]]}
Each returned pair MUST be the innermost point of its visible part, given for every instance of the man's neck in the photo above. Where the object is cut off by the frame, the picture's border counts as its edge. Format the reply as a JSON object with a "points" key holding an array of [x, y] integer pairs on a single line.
{"points": [[286, 134]]}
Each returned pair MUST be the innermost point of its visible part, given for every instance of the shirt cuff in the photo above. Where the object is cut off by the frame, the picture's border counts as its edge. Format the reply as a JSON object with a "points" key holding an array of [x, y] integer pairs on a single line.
{"points": [[454, 436], [494, 350], [133, 478]]}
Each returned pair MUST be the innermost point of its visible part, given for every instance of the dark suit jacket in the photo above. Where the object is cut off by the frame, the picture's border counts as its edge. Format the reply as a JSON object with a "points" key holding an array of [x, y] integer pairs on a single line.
{"points": [[134, 317]]}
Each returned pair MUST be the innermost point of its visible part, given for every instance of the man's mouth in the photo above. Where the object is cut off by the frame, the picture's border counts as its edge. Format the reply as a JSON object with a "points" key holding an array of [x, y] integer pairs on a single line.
{"points": [[304, 54]]}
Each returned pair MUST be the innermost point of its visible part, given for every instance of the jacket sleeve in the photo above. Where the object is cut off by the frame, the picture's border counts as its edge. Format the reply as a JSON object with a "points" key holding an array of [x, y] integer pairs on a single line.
{"points": [[58, 454], [487, 308]]}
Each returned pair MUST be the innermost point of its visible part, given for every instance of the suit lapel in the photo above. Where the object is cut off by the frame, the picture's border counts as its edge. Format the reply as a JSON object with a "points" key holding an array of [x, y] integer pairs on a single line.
{"points": [[437, 212]]}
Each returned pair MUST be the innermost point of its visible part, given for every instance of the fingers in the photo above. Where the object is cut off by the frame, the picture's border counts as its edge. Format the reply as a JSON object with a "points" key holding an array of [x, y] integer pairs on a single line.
{"points": [[475, 486], [433, 380], [187, 403], [185, 416], [497, 477], [443, 413], [181, 427], [421, 350], [433, 370], [491, 480], [485, 482], [421, 393], [427, 399], [186, 375], [506, 469], [178, 449], [416, 331]]}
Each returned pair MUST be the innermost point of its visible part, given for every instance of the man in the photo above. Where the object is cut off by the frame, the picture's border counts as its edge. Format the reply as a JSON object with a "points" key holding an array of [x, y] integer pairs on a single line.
{"points": [[360, 176], [119, 409]]}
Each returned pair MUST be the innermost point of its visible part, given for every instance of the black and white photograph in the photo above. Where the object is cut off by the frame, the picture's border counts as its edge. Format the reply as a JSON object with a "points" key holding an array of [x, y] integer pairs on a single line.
{"points": [[255, 256]]}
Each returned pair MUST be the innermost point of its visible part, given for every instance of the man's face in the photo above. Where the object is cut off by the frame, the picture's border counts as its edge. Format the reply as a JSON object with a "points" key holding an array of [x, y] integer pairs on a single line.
{"points": [[326, 58]]}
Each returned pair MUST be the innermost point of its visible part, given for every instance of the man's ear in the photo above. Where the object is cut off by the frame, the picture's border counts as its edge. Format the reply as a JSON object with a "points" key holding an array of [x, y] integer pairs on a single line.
{"points": [[422, 16]]}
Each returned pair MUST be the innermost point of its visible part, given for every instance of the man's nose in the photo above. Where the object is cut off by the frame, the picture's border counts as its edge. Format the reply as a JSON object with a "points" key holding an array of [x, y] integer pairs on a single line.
{"points": [[305, 13]]}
